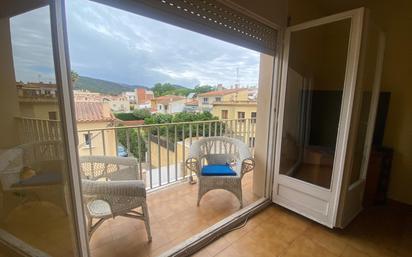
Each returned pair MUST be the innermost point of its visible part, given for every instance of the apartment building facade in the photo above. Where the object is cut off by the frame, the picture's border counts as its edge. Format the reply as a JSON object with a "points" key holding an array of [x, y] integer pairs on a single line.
{"points": [[206, 100]]}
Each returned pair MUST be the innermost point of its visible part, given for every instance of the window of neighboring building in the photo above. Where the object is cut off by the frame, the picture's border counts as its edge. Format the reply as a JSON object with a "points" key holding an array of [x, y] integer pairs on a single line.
{"points": [[205, 100], [166, 107], [253, 117], [241, 115], [160, 107], [218, 99], [52, 115], [88, 139], [225, 114]]}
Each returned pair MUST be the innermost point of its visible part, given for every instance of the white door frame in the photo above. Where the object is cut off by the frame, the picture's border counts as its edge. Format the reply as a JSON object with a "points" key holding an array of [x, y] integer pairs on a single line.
{"points": [[321, 204], [66, 107]]}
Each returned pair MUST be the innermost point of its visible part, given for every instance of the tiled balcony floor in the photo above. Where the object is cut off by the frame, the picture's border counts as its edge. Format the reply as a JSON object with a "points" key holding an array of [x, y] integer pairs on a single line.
{"points": [[174, 217]]}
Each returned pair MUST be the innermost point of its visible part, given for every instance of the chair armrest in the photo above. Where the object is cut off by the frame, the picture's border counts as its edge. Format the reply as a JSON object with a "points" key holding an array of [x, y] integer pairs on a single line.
{"points": [[193, 164], [248, 164], [131, 188]]}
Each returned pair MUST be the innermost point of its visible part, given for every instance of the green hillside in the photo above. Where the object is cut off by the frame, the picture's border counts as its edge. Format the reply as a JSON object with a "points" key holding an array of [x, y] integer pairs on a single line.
{"points": [[113, 88], [102, 86]]}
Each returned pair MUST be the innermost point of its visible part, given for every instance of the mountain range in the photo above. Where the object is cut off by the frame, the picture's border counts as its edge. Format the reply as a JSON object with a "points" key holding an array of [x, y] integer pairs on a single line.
{"points": [[114, 88], [103, 86]]}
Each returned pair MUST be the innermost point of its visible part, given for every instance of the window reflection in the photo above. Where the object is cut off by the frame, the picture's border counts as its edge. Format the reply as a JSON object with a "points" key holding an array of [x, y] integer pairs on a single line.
{"points": [[35, 210]]}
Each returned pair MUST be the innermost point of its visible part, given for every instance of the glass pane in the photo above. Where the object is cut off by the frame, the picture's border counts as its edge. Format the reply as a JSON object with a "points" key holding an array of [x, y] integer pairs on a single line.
{"points": [[35, 200], [363, 102], [317, 63]]}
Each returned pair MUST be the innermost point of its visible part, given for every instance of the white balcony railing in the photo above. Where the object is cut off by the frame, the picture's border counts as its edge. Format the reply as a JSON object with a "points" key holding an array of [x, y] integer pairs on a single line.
{"points": [[160, 149]]}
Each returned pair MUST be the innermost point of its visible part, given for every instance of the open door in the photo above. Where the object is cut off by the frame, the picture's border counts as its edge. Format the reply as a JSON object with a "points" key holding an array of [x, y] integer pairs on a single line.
{"points": [[319, 77], [363, 122]]}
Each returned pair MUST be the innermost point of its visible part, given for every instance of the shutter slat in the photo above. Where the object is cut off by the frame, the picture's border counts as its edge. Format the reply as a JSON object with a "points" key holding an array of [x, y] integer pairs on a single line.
{"points": [[208, 17]]}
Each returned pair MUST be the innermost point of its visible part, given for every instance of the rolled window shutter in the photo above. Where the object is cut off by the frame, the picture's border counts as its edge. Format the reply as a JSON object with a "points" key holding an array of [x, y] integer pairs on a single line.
{"points": [[208, 17]]}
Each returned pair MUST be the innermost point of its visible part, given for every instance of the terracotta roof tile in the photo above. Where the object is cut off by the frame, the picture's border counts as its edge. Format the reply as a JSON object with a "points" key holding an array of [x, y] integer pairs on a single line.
{"points": [[168, 98], [193, 102], [93, 111]]}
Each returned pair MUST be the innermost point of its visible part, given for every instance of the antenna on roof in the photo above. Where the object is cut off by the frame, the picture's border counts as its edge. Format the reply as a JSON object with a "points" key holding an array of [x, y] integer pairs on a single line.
{"points": [[237, 78]]}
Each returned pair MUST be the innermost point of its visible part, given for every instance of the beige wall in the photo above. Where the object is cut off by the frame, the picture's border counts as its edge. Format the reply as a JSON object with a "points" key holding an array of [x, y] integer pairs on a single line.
{"points": [[263, 124], [163, 154], [9, 106], [395, 19], [38, 110], [237, 96], [97, 139], [233, 109]]}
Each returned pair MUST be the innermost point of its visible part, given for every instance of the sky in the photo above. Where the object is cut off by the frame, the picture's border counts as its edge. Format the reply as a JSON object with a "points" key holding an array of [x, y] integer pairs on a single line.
{"points": [[115, 45]]}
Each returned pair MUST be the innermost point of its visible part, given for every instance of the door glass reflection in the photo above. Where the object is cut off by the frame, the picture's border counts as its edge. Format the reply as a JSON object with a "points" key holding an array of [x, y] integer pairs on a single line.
{"points": [[315, 81]]}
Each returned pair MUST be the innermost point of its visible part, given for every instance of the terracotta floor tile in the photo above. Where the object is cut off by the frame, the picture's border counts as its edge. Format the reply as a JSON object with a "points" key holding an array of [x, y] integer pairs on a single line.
{"points": [[273, 232], [304, 247], [349, 251], [217, 246], [330, 239]]}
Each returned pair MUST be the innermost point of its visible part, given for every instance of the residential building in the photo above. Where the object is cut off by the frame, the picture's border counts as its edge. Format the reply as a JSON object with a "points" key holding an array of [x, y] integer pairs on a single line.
{"points": [[168, 104], [206, 100], [235, 110], [86, 96], [143, 96], [243, 113], [252, 93], [191, 105], [131, 97], [117, 103], [38, 100], [89, 117]]}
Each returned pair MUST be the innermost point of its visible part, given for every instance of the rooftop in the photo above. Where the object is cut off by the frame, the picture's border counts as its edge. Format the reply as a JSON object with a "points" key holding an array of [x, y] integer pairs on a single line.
{"points": [[223, 92], [93, 111], [168, 98], [236, 103], [193, 102]]}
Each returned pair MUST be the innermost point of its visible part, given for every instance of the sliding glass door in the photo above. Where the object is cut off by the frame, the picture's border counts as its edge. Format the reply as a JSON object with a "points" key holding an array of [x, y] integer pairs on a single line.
{"points": [[37, 216]]}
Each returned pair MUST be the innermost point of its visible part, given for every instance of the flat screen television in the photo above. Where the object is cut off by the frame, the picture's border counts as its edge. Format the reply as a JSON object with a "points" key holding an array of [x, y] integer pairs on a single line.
{"points": [[324, 118]]}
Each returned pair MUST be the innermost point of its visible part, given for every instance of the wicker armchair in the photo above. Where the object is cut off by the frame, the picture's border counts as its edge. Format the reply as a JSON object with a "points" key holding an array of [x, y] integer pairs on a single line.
{"points": [[111, 188], [220, 150]]}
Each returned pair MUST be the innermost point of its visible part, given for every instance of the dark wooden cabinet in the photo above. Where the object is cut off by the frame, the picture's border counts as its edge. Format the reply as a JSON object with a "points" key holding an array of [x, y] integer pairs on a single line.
{"points": [[377, 178]]}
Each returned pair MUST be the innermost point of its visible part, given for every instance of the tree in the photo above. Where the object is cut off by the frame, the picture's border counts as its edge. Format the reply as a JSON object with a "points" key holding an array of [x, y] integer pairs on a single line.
{"points": [[203, 89], [125, 116], [74, 76], [183, 130], [141, 114], [160, 89], [135, 148]]}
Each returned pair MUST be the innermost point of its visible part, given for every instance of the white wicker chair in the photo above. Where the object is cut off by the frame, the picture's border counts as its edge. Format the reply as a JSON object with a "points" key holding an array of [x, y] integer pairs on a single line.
{"points": [[119, 195], [220, 150]]}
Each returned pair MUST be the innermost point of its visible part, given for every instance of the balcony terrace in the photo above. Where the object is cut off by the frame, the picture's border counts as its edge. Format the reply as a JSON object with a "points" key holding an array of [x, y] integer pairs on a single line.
{"points": [[160, 151]]}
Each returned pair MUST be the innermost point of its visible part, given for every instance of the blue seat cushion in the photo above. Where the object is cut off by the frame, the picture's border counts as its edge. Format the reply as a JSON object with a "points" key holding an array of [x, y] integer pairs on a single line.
{"points": [[218, 170]]}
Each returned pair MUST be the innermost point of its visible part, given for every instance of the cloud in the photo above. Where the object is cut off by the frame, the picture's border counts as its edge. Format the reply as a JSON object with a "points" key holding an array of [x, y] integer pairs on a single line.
{"points": [[116, 45], [32, 46]]}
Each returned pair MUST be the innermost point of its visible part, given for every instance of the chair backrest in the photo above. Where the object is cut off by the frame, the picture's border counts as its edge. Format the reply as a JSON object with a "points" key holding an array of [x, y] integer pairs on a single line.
{"points": [[109, 168], [11, 163], [219, 150]]}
